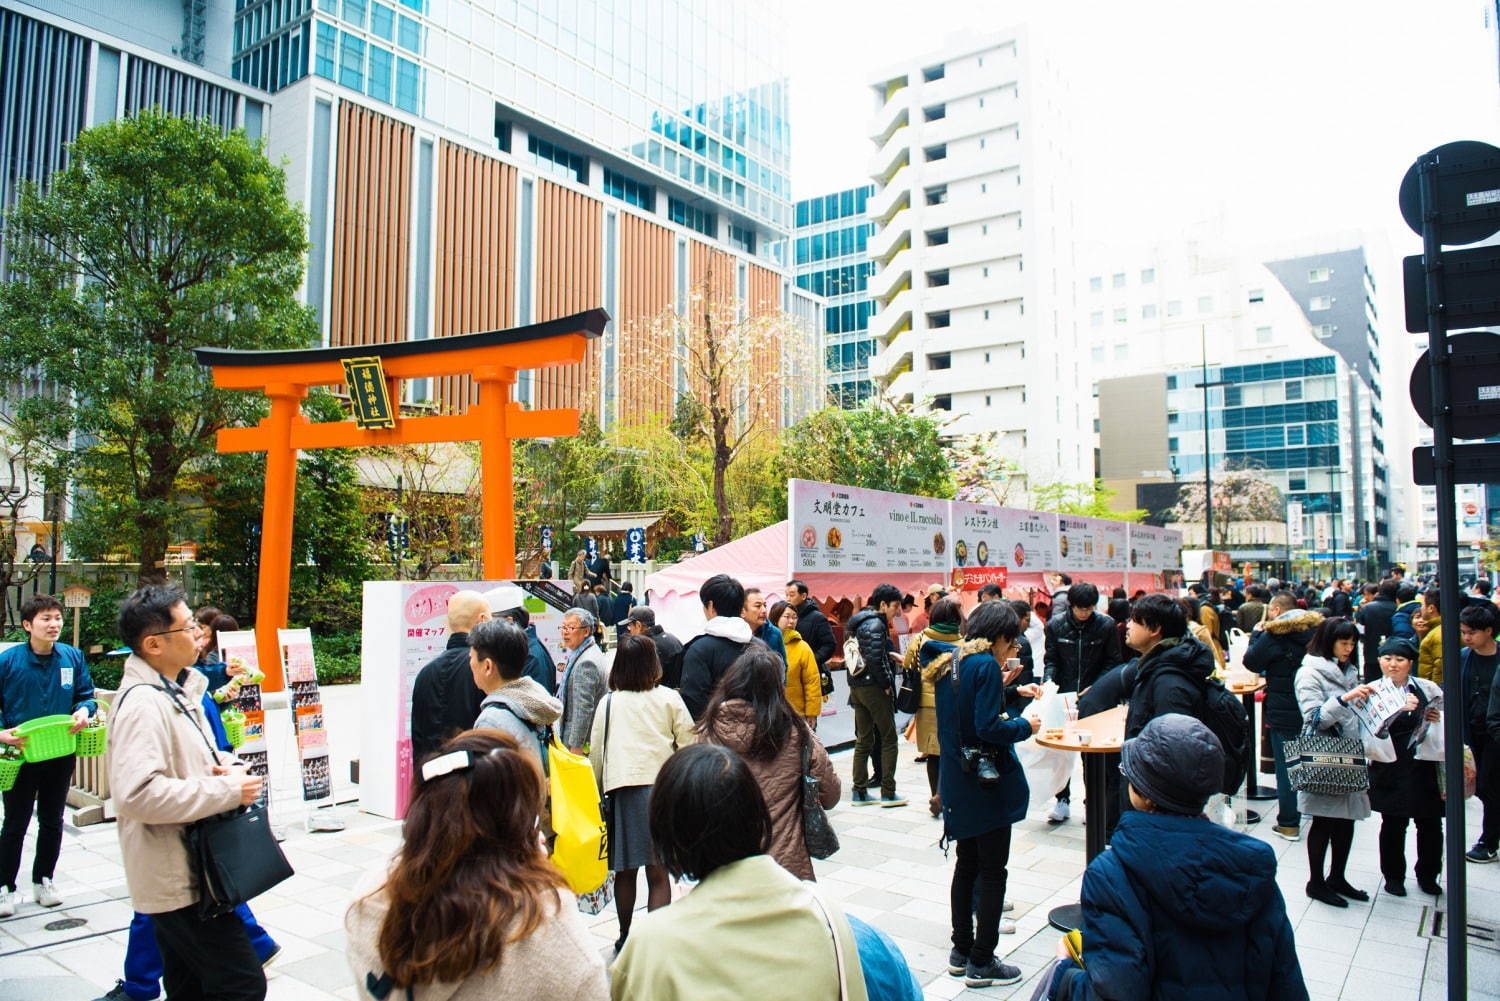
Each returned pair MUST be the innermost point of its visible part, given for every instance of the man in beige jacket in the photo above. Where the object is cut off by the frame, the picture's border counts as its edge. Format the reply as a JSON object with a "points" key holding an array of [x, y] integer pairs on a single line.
{"points": [[164, 774]]}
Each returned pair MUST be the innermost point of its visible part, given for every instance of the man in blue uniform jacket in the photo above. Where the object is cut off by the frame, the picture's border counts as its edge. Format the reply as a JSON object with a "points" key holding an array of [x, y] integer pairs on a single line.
{"points": [[40, 677]]}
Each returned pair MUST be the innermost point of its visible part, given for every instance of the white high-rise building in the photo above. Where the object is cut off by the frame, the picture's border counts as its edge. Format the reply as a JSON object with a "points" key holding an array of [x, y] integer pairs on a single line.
{"points": [[973, 250]]}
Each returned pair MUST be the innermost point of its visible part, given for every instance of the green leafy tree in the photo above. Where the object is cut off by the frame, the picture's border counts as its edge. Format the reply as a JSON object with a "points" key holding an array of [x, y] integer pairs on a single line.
{"points": [[161, 235], [877, 446], [558, 482], [1088, 499]]}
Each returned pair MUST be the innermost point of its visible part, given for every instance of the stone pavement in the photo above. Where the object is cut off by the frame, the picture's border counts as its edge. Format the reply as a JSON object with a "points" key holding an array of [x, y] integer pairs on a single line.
{"points": [[889, 872]]}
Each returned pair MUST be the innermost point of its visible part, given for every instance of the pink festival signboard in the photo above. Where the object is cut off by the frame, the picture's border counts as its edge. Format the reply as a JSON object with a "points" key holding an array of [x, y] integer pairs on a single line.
{"points": [[405, 627]]}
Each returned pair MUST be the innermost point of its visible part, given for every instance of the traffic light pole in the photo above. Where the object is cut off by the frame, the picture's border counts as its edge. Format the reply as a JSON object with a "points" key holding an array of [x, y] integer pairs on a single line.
{"points": [[1456, 932]]}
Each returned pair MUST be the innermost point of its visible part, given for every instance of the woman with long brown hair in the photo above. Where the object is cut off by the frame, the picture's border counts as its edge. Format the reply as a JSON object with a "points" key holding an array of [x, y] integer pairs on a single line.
{"points": [[750, 715], [470, 906]]}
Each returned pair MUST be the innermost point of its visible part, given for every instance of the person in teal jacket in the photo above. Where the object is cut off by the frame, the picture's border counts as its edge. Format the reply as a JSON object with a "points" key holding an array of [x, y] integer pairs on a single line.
{"points": [[40, 677], [980, 781]]}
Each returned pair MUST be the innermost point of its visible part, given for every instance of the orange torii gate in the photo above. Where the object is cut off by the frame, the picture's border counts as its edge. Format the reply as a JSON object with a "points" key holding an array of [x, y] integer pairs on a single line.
{"points": [[374, 373]]}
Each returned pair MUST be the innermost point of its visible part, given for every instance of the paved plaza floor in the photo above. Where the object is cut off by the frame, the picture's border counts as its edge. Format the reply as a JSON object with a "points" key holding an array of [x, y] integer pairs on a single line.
{"points": [[889, 872]]}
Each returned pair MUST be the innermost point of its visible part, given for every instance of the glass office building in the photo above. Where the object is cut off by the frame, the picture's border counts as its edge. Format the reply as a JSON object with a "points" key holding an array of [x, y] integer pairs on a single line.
{"points": [[830, 259], [681, 90]]}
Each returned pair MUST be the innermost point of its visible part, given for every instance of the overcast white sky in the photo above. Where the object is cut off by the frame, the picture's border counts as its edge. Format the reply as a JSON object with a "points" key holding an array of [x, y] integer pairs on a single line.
{"points": [[1292, 117]]}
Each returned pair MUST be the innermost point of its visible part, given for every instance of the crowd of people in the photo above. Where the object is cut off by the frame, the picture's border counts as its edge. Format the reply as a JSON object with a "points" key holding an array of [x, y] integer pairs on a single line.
{"points": [[710, 771]]}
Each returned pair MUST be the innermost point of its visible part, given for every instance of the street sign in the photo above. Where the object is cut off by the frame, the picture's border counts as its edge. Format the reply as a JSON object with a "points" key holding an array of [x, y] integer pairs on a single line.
{"points": [[1468, 192], [1474, 387], [1476, 463], [1471, 289]]}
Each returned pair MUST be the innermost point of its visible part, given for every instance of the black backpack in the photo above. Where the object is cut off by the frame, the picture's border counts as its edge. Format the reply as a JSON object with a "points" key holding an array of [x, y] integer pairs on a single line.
{"points": [[1225, 715]]}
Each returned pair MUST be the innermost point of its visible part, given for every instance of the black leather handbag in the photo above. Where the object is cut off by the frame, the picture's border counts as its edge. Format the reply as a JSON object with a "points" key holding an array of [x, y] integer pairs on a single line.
{"points": [[817, 831], [235, 857]]}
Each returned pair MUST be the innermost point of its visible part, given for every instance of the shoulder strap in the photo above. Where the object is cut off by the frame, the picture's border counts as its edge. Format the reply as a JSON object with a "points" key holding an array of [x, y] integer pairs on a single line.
{"points": [[604, 751], [838, 950], [177, 703]]}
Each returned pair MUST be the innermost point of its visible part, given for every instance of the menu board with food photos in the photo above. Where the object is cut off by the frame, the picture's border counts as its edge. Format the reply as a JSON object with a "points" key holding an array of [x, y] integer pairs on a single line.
{"points": [[241, 659], [1154, 550], [307, 712], [841, 529]]}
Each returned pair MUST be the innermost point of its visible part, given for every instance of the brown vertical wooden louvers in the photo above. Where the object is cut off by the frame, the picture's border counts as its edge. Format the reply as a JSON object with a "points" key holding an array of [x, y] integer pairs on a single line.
{"points": [[371, 229], [568, 280], [475, 255], [764, 292], [645, 349]]}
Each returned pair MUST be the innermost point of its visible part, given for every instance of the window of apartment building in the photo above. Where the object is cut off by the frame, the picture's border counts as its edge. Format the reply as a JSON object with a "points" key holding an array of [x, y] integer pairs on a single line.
{"points": [[1096, 283], [943, 401], [1171, 382], [939, 361], [558, 159], [984, 229], [1096, 318], [742, 237], [1234, 396], [981, 143], [1257, 295], [1262, 335], [1319, 302], [939, 320], [1121, 315], [932, 73], [1172, 444], [1117, 280], [1205, 304], [409, 35], [986, 357], [1319, 275], [1323, 331], [935, 113], [684, 214], [1296, 480], [936, 237], [1148, 275], [985, 271], [987, 399], [938, 152], [937, 279], [1098, 355], [1148, 311], [1294, 389], [986, 314], [1122, 352], [629, 190], [937, 195], [1174, 307], [983, 187]]}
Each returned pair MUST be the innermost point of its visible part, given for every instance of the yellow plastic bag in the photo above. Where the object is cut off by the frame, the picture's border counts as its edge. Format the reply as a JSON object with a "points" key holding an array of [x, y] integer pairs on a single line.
{"points": [[580, 849]]}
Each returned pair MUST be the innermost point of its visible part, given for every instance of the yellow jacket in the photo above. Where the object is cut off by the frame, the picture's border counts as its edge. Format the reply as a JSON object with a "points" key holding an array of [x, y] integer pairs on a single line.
{"points": [[1430, 653], [804, 687]]}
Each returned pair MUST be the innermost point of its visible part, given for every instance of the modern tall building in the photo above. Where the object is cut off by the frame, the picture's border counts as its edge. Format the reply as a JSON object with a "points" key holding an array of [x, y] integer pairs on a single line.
{"points": [[973, 252], [1198, 301], [831, 258], [1299, 421], [466, 166]]}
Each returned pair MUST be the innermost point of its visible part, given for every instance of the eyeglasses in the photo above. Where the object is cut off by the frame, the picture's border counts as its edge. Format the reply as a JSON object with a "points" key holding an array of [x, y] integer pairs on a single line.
{"points": [[183, 629]]}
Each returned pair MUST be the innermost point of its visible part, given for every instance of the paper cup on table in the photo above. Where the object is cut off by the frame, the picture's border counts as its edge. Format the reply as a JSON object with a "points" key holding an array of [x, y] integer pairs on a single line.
{"points": [[1085, 737]]}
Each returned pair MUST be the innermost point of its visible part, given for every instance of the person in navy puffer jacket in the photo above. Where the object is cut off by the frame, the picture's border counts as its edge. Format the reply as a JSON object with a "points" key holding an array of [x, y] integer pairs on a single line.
{"points": [[1179, 907]]}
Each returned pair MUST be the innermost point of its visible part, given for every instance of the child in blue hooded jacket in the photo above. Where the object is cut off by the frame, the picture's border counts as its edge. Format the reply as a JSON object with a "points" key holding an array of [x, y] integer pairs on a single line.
{"points": [[1179, 907]]}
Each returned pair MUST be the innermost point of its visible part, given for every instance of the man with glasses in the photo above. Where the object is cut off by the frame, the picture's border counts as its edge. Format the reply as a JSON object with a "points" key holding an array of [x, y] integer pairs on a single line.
{"points": [[583, 680], [40, 677], [164, 774]]}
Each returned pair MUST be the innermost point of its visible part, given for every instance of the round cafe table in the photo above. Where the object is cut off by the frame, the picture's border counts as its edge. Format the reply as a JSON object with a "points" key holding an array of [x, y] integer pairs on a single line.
{"points": [[1101, 754], [1245, 685]]}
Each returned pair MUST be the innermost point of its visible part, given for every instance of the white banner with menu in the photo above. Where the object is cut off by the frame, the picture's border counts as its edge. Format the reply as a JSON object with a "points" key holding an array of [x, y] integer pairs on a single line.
{"points": [[848, 530], [839, 529]]}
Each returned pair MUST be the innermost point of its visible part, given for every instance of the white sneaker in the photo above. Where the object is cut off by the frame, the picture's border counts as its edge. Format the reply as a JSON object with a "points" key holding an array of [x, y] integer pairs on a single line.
{"points": [[1007, 926], [1008, 906], [9, 900], [45, 894], [1060, 812]]}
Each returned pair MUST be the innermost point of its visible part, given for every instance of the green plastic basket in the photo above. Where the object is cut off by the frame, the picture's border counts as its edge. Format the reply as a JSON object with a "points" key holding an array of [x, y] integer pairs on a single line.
{"points": [[234, 727], [10, 767], [47, 737], [91, 740]]}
